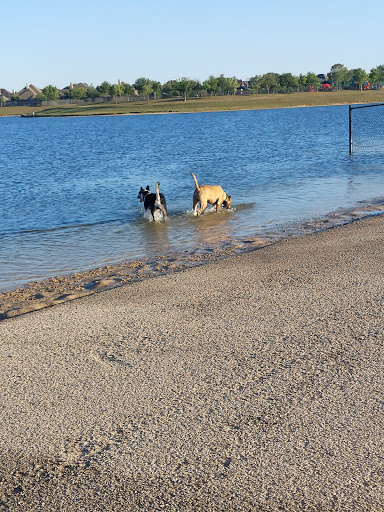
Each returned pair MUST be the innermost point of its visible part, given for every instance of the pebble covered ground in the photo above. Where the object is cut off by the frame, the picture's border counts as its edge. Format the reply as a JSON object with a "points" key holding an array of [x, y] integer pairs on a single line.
{"points": [[250, 383]]}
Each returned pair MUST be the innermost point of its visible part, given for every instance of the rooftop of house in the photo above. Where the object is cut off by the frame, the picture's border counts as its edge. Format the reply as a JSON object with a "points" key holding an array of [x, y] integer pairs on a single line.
{"points": [[80, 85], [29, 92], [6, 94]]}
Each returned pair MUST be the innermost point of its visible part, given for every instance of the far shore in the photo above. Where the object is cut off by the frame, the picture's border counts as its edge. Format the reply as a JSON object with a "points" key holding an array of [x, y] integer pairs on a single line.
{"points": [[201, 104]]}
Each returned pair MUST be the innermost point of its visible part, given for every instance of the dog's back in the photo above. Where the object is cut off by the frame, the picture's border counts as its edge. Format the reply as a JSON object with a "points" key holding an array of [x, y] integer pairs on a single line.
{"points": [[209, 190]]}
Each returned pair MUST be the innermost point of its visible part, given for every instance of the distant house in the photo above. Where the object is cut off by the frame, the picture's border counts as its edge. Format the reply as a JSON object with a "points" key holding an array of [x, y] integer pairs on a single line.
{"points": [[29, 92], [5, 94], [80, 85], [242, 87], [326, 85]]}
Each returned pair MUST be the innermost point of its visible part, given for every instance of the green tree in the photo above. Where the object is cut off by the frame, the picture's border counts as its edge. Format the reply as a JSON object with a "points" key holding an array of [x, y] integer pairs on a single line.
{"points": [[288, 82], [116, 90], [51, 92], [15, 97], [254, 83], [231, 85], [76, 93], [338, 75], [358, 76], [221, 83], [41, 97], [2, 100], [129, 90], [313, 80], [170, 88], [227, 85], [156, 86], [185, 86], [376, 75], [302, 82], [91, 92], [103, 89], [142, 83], [269, 81], [211, 86], [380, 70], [147, 89]]}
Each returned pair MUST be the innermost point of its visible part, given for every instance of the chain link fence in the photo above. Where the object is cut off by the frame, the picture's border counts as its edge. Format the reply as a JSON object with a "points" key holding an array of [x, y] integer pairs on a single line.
{"points": [[366, 128]]}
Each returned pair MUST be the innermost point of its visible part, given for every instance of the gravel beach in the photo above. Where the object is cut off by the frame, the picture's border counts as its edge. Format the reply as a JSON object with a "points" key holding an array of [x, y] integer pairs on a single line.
{"points": [[254, 383]]}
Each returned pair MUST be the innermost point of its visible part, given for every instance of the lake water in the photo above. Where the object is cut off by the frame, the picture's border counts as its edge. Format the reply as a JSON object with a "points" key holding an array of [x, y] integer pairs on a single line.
{"points": [[68, 189]]}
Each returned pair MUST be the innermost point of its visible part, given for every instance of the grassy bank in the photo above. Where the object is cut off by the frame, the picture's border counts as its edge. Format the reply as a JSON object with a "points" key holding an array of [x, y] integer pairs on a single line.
{"points": [[208, 104]]}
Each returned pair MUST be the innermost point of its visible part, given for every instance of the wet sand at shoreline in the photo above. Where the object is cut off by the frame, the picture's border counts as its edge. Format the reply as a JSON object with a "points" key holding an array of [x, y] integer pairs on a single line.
{"points": [[253, 382], [49, 292]]}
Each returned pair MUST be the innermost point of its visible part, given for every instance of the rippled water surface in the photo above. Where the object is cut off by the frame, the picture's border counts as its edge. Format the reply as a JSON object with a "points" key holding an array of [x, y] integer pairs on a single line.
{"points": [[68, 189]]}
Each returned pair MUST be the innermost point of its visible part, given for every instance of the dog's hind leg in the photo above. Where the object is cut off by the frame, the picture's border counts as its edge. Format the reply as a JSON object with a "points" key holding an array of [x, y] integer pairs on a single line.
{"points": [[195, 202], [203, 205], [163, 211]]}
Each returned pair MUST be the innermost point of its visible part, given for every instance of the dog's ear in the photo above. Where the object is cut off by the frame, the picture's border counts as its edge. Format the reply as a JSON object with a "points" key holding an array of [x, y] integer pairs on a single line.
{"points": [[228, 197], [147, 187]]}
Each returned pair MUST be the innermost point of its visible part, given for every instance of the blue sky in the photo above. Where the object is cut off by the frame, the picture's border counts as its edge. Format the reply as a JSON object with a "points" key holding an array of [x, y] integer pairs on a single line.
{"points": [[83, 41]]}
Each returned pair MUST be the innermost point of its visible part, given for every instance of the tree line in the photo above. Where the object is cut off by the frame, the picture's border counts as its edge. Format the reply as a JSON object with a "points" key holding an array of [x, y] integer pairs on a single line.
{"points": [[339, 77]]}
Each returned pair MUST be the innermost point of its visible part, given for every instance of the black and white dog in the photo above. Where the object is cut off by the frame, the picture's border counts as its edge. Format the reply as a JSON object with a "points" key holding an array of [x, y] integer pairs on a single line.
{"points": [[153, 203]]}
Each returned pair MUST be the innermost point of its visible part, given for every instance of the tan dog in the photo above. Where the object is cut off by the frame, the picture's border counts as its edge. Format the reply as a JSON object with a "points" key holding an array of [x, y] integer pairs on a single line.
{"points": [[212, 194]]}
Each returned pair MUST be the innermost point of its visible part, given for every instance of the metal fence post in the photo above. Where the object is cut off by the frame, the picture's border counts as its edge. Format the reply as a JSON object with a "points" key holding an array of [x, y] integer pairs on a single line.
{"points": [[350, 129]]}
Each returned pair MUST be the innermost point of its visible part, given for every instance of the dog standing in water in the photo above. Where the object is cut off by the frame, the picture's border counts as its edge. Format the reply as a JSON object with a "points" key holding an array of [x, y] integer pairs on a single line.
{"points": [[153, 203], [212, 194]]}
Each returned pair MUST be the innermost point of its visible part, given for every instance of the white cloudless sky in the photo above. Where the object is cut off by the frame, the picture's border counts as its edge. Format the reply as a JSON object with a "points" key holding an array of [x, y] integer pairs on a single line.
{"points": [[47, 42]]}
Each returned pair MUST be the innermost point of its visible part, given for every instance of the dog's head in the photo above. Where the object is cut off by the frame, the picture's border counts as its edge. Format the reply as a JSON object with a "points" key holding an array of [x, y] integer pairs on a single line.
{"points": [[227, 202], [142, 193]]}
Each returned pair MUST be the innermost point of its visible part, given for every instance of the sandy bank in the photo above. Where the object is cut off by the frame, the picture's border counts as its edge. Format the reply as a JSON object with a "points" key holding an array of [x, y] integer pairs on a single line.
{"points": [[251, 383], [62, 288]]}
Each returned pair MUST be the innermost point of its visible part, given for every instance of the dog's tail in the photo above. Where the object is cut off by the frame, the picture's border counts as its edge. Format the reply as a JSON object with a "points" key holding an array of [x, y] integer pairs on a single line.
{"points": [[158, 204], [158, 201], [196, 184]]}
